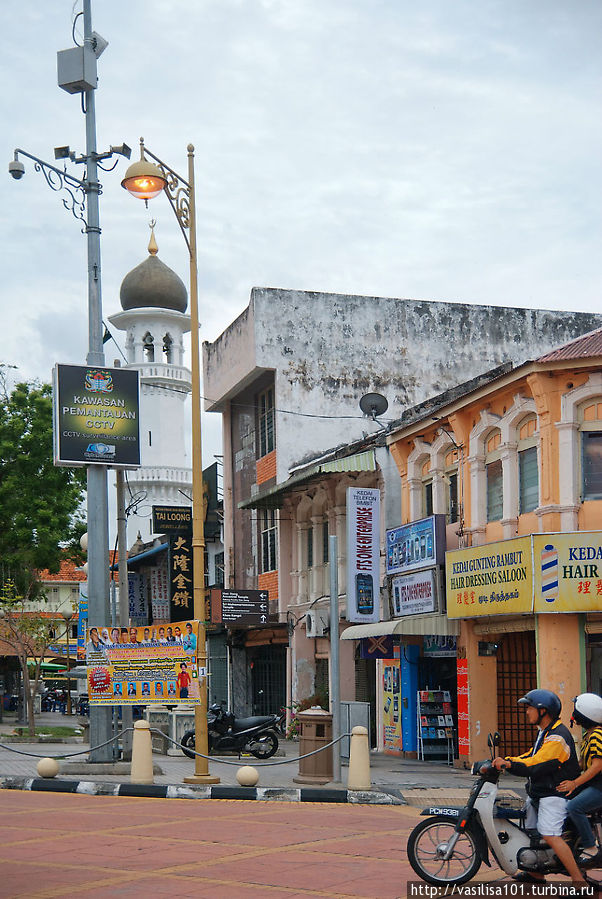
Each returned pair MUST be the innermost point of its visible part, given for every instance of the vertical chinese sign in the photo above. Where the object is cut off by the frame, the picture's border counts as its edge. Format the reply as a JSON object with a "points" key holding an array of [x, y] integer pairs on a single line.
{"points": [[176, 523]]}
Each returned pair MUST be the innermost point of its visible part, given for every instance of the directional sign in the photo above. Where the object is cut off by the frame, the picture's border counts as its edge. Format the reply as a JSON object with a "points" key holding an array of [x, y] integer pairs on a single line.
{"points": [[244, 607]]}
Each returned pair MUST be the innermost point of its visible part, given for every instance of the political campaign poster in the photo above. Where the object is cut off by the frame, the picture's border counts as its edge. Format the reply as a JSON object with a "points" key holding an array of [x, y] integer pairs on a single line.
{"points": [[143, 665]]}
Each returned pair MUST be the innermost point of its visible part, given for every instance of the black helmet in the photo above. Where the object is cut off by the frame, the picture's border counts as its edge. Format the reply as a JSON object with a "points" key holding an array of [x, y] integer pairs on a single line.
{"points": [[544, 700], [588, 710]]}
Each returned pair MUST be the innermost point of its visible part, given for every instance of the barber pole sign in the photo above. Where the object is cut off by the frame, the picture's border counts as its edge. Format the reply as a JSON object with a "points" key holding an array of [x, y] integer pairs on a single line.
{"points": [[363, 555]]}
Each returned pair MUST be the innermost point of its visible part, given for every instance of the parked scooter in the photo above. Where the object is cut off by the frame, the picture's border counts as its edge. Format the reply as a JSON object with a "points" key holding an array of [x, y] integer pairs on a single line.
{"points": [[226, 732], [449, 847]]}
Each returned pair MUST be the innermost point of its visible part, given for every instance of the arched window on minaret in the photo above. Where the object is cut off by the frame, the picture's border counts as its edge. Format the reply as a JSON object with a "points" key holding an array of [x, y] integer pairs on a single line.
{"points": [[148, 344], [167, 348]]}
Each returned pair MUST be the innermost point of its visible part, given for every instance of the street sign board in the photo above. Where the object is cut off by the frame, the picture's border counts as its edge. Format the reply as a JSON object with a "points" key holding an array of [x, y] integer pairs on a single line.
{"points": [[242, 607]]}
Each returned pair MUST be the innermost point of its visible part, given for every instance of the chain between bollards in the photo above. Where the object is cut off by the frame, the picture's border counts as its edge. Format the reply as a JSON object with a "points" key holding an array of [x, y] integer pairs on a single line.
{"points": [[153, 730]]}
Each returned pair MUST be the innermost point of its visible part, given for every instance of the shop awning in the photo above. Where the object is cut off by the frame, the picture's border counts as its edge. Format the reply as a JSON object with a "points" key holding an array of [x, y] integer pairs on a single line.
{"points": [[134, 560], [272, 497], [415, 625]]}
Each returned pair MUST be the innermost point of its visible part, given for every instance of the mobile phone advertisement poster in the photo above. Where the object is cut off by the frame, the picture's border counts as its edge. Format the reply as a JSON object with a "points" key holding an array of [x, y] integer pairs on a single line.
{"points": [[363, 554], [143, 665]]}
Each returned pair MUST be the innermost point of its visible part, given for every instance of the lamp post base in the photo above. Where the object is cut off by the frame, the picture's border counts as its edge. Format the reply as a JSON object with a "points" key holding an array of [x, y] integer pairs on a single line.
{"points": [[202, 779]]}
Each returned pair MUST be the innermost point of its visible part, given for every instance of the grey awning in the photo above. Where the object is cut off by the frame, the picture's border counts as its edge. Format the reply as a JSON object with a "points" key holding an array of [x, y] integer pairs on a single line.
{"points": [[271, 498], [414, 625]]}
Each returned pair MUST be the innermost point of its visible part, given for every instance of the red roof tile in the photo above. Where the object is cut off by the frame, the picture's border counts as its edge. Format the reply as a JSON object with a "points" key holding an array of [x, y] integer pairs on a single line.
{"points": [[588, 346]]}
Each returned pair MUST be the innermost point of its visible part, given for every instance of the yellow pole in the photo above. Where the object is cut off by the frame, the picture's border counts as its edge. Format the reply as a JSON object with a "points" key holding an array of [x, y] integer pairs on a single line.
{"points": [[201, 766]]}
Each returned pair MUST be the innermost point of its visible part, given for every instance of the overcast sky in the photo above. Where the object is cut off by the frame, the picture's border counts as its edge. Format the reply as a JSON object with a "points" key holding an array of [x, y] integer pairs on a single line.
{"points": [[446, 149]]}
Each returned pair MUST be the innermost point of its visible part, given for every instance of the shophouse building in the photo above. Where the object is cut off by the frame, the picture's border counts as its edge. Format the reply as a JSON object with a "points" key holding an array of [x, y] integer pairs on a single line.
{"points": [[513, 465], [287, 376]]}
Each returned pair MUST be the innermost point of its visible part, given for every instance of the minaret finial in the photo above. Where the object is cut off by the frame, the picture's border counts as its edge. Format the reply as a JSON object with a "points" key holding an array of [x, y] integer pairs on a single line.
{"points": [[153, 249]]}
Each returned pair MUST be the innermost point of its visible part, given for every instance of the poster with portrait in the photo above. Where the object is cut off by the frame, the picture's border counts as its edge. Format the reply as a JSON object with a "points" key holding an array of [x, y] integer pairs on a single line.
{"points": [[143, 665]]}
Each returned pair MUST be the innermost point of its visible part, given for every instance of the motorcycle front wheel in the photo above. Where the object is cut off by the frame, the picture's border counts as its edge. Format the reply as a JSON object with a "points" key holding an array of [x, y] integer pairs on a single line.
{"points": [[427, 844], [263, 747]]}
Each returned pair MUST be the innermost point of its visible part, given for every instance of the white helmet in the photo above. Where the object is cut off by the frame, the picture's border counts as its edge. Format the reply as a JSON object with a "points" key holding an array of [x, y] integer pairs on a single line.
{"points": [[588, 710]]}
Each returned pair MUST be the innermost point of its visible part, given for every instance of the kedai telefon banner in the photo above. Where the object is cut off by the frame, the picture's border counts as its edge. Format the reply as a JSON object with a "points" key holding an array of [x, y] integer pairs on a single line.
{"points": [[363, 554], [144, 665]]}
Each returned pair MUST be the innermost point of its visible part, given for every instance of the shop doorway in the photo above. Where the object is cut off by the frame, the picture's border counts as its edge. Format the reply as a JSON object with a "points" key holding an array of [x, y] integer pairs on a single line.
{"points": [[268, 679], [365, 690], [516, 675]]}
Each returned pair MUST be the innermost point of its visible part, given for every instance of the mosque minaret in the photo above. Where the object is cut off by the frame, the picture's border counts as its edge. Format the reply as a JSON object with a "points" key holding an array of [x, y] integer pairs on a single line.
{"points": [[154, 301]]}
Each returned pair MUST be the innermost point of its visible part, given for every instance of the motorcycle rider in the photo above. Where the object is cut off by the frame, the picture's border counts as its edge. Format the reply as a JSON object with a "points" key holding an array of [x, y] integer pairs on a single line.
{"points": [[588, 713], [550, 761]]}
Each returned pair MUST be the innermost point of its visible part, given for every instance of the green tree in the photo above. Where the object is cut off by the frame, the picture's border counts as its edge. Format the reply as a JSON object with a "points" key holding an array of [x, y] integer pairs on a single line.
{"points": [[39, 502], [28, 633], [40, 520]]}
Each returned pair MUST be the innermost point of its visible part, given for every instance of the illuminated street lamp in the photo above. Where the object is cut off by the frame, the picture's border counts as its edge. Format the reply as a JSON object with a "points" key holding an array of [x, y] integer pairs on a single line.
{"points": [[145, 180]]}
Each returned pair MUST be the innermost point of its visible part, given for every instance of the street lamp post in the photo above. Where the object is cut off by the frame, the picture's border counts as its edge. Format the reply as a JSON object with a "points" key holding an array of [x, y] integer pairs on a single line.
{"points": [[77, 74], [146, 180], [68, 617]]}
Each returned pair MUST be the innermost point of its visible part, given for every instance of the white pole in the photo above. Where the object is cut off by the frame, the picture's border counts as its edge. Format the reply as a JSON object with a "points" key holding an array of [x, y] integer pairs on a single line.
{"points": [[335, 687]]}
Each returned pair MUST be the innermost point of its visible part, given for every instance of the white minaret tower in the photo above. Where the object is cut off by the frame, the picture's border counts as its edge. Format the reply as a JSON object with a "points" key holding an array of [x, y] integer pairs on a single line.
{"points": [[154, 301]]}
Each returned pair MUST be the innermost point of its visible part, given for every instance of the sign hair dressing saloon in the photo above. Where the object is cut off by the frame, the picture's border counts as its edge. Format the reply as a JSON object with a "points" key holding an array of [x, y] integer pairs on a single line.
{"points": [[363, 554]]}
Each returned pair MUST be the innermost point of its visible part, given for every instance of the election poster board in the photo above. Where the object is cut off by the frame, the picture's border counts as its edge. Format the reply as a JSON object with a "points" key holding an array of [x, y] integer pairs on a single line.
{"points": [[143, 665], [363, 554]]}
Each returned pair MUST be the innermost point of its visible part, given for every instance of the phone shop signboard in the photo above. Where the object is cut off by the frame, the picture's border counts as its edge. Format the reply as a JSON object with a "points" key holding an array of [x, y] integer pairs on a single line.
{"points": [[414, 594], [420, 544], [96, 416], [363, 554]]}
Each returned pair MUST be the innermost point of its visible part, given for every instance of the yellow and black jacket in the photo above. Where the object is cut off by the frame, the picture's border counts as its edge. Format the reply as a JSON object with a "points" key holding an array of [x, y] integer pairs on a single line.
{"points": [[551, 760]]}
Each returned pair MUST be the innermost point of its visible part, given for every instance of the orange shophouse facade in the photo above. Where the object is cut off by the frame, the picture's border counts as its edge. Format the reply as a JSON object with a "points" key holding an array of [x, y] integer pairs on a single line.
{"points": [[514, 460]]}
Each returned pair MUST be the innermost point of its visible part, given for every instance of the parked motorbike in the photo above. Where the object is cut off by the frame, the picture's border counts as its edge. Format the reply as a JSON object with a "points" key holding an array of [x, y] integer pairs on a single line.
{"points": [[450, 845], [226, 732]]}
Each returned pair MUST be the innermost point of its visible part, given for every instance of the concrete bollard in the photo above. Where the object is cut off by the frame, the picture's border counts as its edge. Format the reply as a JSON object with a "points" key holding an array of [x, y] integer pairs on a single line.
{"points": [[47, 767], [142, 754], [359, 760], [247, 776]]}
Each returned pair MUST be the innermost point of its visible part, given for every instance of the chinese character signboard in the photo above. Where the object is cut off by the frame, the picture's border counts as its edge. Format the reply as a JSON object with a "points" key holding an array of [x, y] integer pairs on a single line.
{"points": [[414, 593], [420, 544], [363, 554], [159, 587], [493, 579], [180, 577], [137, 605], [96, 416], [568, 572], [135, 665]]}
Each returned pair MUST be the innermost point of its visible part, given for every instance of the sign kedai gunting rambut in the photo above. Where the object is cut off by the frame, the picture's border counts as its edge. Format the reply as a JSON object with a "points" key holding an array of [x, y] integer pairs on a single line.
{"points": [[363, 554], [540, 573], [96, 416]]}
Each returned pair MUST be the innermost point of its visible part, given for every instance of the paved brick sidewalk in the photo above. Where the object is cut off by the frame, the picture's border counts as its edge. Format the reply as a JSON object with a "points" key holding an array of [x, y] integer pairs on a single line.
{"points": [[55, 845]]}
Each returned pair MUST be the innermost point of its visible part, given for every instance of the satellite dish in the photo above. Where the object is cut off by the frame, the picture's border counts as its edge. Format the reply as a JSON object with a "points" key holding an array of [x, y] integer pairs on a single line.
{"points": [[373, 404]]}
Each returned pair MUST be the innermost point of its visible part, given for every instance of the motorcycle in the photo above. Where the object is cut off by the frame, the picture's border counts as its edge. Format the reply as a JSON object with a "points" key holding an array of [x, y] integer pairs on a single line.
{"points": [[449, 847], [226, 732]]}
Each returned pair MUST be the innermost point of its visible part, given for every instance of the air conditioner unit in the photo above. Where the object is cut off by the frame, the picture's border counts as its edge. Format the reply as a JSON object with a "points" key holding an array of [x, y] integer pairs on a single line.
{"points": [[317, 622]]}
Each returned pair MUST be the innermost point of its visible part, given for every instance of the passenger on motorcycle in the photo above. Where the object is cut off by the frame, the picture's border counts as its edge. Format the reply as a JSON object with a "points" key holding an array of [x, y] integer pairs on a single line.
{"points": [[550, 761], [588, 786]]}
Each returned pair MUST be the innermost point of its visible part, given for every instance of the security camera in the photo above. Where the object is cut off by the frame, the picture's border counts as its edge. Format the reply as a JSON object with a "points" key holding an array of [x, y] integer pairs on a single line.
{"points": [[16, 169]]}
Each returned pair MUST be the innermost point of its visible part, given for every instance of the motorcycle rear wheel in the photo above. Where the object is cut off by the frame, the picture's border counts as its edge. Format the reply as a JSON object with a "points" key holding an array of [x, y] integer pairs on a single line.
{"points": [[263, 747], [426, 846], [188, 744]]}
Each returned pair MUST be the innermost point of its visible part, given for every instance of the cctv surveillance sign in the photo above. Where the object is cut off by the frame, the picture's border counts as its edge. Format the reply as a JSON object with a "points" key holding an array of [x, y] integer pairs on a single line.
{"points": [[96, 416]]}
